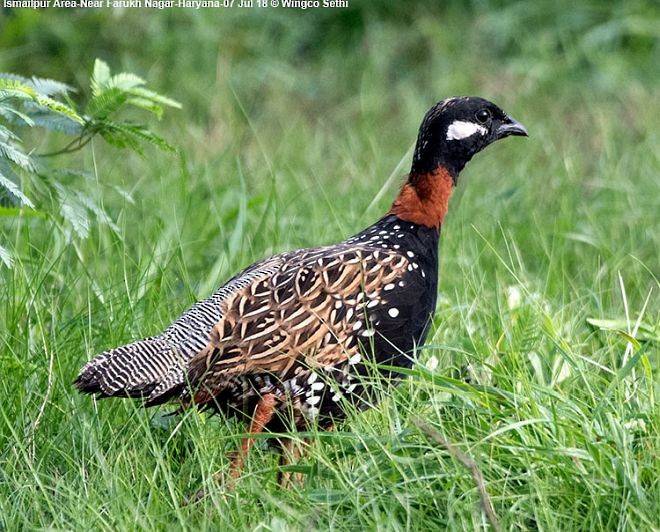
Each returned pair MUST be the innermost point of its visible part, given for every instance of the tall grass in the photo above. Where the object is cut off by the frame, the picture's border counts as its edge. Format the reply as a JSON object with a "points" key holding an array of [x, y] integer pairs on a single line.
{"points": [[291, 141]]}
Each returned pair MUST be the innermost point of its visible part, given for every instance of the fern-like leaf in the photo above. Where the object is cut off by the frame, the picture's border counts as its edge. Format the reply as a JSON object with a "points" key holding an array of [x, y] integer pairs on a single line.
{"points": [[73, 211], [100, 77], [146, 135], [8, 135], [125, 81], [17, 156], [105, 104], [14, 77], [56, 122], [115, 135], [5, 257], [147, 105], [58, 107], [131, 136], [12, 187], [50, 87], [11, 113], [44, 86], [152, 96], [101, 216], [14, 87]]}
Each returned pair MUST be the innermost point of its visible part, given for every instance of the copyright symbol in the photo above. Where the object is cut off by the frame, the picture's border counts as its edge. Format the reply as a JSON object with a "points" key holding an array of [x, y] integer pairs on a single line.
{"points": [[274, 3]]}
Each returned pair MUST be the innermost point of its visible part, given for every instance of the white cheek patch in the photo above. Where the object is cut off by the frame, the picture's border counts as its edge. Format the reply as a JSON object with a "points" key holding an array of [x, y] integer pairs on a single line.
{"points": [[460, 130]]}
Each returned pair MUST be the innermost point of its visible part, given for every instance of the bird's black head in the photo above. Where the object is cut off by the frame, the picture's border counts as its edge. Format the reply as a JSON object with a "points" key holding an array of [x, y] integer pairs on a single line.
{"points": [[455, 129]]}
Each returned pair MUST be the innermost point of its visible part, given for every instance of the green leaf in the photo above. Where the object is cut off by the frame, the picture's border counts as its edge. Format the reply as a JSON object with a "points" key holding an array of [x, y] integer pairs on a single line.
{"points": [[49, 87], [14, 212], [147, 94], [116, 136], [14, 77], [105, 104], [131, 136], [146, 135], [125, 81], [100, 77], [618, 378], [629, 338], [16, 156], [326, 496], [147, 105], [59, 107], [56, 122], [14, 88], [13, 188], [6, 134], [5, 257], [73, 211], [645, 331], [9, 110], [44, 86], [98, 211]]}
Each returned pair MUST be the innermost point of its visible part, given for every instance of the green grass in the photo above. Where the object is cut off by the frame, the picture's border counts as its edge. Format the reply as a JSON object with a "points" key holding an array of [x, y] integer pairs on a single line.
{"points": [[286, 142]]}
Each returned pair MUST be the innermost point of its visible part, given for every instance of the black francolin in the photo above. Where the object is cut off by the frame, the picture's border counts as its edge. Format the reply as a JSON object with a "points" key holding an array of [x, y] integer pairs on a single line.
{"points": [[284, 342]]}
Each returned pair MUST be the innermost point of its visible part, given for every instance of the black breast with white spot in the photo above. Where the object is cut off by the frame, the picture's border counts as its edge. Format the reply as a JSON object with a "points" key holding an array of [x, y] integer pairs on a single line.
{"points": [[389, 326], [405, 306], [381, 319]]}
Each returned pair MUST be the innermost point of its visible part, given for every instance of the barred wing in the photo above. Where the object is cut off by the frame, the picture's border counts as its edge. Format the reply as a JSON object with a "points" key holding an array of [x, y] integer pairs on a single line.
{"points": [[313, 312]]}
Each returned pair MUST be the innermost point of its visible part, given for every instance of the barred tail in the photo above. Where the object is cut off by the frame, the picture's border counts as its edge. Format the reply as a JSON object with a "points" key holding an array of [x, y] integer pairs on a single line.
{"points": [[132, 370]]}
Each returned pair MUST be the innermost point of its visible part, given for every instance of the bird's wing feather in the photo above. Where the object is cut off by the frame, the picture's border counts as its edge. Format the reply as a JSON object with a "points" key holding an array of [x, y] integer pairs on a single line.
{"points": [[189, 333], [311, 312], [155, 367]]}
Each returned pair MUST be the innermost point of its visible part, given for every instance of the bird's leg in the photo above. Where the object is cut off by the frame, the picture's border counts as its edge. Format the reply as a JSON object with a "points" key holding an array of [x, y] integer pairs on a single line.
{"points": [[290, 453], [263, 413]]}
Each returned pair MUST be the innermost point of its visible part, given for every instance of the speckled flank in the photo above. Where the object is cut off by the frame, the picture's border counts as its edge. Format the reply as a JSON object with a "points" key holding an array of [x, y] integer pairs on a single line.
{"points": [[306, 325]]}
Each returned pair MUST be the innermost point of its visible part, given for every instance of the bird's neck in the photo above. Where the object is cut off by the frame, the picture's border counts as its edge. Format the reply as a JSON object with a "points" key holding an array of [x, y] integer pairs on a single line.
{"points": [[424, 199]]}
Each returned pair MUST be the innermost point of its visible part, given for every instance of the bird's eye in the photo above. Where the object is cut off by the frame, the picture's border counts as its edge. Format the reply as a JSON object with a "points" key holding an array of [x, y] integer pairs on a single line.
{"points": [[482, 116]]}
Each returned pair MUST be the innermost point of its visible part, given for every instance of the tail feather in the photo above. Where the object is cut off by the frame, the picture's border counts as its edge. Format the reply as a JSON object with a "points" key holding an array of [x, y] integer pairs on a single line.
{"points": [[132, 370]]}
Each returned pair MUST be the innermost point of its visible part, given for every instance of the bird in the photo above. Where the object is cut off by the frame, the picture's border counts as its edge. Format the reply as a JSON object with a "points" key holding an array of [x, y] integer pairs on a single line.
{"points": [[286, 343]]}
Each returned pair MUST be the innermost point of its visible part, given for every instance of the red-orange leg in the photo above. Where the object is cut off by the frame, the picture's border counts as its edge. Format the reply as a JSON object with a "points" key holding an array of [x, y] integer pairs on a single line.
{"points": [[290, 453], [263, 413]]}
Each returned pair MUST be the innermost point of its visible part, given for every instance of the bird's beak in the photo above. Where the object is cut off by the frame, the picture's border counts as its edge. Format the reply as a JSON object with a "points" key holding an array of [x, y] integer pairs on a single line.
{"points": [[511, 127]]}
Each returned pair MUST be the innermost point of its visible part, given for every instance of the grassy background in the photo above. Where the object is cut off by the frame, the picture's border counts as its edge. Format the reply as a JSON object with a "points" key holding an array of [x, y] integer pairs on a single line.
{"points": [[296, 131]]}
